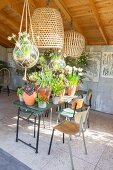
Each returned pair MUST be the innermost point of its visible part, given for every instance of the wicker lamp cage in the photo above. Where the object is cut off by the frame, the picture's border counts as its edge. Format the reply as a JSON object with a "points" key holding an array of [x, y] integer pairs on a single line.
{"points": [[48, 28], [74, 44]]}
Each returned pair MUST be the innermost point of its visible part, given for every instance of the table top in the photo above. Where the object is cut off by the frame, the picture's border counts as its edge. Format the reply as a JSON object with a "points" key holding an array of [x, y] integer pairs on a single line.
{"points": [[33, 109]]}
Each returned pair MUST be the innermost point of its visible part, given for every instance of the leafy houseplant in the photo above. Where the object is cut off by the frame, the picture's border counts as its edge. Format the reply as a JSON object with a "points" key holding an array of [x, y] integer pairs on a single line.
{"points": [[42, 100], [74, 77], [29, 94], [25, 53], [57, 87], [20, 93]]}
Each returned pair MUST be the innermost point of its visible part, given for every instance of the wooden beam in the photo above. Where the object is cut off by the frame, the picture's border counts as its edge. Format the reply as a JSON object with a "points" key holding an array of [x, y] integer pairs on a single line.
{"points": [[98, 20], [68, 16], [3, 3]]}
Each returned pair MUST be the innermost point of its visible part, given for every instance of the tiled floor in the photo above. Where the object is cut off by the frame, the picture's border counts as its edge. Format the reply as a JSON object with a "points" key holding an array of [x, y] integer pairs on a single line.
{"points": [[99, 140]]}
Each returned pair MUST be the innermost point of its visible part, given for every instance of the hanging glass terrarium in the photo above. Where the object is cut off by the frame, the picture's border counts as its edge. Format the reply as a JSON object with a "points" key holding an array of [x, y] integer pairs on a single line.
{"points": [[25, 52]]}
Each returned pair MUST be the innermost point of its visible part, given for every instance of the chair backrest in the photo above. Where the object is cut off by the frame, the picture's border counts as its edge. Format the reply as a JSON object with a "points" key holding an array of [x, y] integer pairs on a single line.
{"points": [[4, 77], [77, 103], [81, 119], [89, 96]]}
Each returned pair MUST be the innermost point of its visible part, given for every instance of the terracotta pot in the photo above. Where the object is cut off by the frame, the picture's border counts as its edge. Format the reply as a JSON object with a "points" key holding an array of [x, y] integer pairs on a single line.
{"points": [[56, 99], [44, 91], [62, 93], [42, 106], [29, 100], [71, 90]]}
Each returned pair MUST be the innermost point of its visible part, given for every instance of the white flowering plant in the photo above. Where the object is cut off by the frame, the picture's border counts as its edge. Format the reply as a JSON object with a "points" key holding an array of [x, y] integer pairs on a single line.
{"points": [[24, 53], [74, 75]]}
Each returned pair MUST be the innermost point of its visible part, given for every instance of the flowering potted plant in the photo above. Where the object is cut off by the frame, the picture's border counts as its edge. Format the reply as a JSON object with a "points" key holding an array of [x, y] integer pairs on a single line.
{"points": [[19, 93], [57, 87], [29, 94], [25, 53], [74, 77], [42, 101]]}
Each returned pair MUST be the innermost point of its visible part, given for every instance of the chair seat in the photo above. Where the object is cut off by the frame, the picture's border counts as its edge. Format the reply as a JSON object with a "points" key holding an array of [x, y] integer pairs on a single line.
{"points": [[68, 127], [68, 112]]}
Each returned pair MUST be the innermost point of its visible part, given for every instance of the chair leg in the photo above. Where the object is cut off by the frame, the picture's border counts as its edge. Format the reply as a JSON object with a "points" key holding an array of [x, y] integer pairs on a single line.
{"points": [[8, 91], [43, 121], [84, 143], [51, 142], [88, 122], [34, 126], [70, 152], [63, 137]]}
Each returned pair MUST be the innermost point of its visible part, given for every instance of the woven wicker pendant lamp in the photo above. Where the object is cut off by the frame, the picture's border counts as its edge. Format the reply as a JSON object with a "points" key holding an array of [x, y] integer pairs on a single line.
{"points": [[74, 43], [48, 28]]}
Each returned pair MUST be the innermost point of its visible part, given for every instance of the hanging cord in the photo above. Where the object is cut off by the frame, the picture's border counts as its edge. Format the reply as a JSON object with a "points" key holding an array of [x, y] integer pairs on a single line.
{"points": [[22, 16], [32, 34], [26, 14]]}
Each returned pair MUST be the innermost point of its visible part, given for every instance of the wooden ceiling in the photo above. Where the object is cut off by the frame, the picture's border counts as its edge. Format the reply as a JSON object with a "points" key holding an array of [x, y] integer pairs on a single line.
{"points": [[92, 18]]}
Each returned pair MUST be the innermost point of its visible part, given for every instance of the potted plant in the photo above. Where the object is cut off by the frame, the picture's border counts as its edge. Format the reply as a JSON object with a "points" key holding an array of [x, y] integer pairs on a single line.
{"points": [[42, 101], [20, 93], [29, 94], [44, 81], [57, 87], [74, 78]]}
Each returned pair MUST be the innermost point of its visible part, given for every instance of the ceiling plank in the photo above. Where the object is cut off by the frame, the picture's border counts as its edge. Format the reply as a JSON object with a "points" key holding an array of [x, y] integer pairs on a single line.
{"points": [[3, 3], [98, 20], [65, 11]]}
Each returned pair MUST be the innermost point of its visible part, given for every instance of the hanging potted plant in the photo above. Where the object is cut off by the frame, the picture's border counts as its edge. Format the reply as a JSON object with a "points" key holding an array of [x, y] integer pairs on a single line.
{"points": [[25, 52], [57, 87], [42, 101], [29, 94], [19, 94]]}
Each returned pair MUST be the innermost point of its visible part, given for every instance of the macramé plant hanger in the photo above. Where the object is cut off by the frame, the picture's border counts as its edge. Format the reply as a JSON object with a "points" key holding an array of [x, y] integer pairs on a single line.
{"points": [[25, 52]]}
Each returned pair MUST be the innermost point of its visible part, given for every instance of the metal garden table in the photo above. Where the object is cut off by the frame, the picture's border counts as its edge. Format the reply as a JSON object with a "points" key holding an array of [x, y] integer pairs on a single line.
{"points": [[30, 111]]}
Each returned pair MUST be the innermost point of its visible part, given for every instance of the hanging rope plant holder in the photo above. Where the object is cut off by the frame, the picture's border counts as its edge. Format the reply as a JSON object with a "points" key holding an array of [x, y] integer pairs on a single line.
{"points": [[25, 52]]}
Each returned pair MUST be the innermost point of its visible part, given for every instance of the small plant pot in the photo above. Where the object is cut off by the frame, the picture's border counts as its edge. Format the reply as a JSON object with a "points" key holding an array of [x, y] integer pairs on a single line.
{"points": [[29, 99], [42, 106], [56, 99], [21, 98], [71, 90]]}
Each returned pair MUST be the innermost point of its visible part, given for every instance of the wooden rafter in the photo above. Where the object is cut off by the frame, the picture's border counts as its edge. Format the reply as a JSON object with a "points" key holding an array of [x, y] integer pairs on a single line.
{"points": [[65, 11], [98, 20]]}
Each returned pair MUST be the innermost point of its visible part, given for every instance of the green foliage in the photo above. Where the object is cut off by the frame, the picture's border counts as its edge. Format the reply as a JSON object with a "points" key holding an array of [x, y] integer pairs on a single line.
{"points": [[19, 91], [44, 78], [57, 86], [81, 61]]}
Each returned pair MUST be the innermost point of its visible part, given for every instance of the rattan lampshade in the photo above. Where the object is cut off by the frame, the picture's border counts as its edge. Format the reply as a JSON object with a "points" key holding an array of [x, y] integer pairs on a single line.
{"points": [[48, 28], [74, 44]]}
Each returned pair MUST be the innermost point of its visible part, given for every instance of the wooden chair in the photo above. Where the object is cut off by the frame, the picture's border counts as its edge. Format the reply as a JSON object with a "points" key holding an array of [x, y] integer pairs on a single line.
{"points": [[5, 79], [69, 113], [77, 128], [89, 99]]}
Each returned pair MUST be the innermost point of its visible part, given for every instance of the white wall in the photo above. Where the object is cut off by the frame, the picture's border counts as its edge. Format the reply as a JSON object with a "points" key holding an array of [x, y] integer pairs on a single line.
{"points": [[102, 90]]}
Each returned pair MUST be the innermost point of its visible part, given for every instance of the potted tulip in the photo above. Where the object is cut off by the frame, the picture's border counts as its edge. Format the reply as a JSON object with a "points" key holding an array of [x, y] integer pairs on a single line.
{"points": [[19, 94], [29, 94], [57, 87], [42, 101], [74, 79]]}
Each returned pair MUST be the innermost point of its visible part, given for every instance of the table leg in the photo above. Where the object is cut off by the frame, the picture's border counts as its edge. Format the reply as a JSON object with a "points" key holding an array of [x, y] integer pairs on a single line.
{"points": [[50, 118], [34, 125], [17, 129], [37, 142]]}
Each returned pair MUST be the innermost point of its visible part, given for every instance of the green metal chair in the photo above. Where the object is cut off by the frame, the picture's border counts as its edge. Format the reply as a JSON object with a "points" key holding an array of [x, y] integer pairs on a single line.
{"points": [[69, 113], [77, 128]]}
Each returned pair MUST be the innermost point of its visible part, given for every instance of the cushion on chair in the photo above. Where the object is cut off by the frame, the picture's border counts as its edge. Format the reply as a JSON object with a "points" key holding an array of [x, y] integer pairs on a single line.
{"points": [[68, 127], [68, 112]]}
